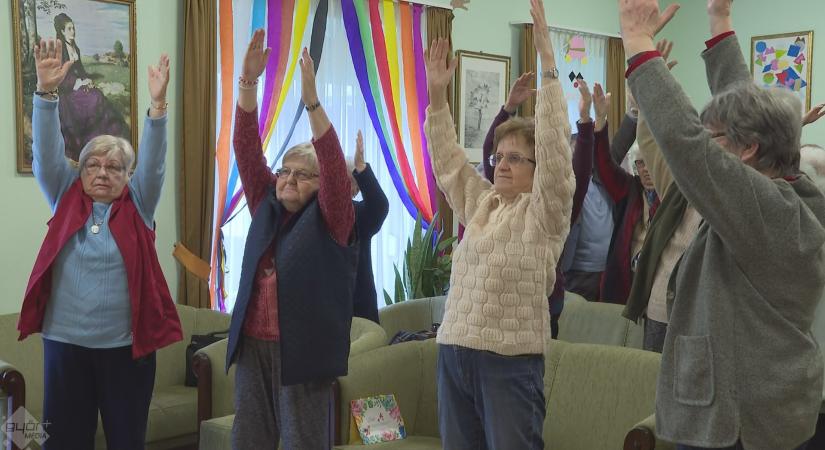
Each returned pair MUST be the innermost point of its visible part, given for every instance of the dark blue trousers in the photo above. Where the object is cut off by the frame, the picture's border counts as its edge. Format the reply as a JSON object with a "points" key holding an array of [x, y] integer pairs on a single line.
{"points": [[80, 381]]}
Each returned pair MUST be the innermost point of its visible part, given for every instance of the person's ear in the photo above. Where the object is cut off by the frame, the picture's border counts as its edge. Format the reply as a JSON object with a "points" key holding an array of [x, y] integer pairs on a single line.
{"points": [[748, 155]]}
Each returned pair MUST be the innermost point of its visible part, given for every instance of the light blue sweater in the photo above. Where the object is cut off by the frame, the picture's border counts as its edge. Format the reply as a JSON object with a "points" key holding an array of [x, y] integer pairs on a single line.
{"points": [[89, 304]]}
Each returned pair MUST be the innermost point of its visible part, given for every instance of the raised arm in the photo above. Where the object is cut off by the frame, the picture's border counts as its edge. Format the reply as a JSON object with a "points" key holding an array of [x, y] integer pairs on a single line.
{"points": [[553, 182], [49, 165], [614, 178], [583, 153], [519, 93], [334, 195], [458, 180], [375, 206], [727, 66], [252, 168], [147, 181], [712, 179]]}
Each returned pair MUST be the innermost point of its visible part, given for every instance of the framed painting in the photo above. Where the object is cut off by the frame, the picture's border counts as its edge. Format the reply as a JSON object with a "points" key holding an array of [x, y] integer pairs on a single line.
{"points": [[98, 95], [482, 82], [784, 60]]}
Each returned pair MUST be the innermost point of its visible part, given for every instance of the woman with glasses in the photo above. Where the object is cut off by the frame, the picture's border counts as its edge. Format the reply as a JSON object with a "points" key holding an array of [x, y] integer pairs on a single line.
{"points": [[97, 293], [289, 336], [496, 321]]}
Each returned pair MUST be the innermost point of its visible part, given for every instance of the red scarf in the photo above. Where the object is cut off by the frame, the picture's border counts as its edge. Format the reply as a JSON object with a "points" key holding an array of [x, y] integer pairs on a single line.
{"points": [[155, 322]]}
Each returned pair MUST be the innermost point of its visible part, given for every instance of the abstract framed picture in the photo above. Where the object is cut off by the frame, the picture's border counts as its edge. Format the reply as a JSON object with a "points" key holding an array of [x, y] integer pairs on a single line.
{"points": [[482, 82], [784, 60], [98, 95]]}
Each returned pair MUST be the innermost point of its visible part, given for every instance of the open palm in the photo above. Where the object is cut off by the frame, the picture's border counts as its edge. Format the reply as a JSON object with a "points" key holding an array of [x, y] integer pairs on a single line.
{"points": [[523, 89], [439, 72], [256, 57], [49, 65], [159, 78]]}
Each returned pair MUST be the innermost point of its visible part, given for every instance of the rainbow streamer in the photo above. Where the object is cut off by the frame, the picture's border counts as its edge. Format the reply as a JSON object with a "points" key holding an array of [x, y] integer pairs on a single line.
{"points": [[378, 64]]}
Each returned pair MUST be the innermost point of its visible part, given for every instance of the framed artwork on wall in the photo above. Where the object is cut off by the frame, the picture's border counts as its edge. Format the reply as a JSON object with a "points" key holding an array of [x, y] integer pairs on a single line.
{"points": [[98, 95], [784, 60], [482, 82]]}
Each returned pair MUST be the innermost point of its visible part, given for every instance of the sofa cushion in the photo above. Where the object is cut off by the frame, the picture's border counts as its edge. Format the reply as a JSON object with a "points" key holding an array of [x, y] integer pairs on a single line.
{"points": [[411, 315], [597, 394], [410, 443], [216, 434], [597, 323], [365, 335], [173, 412]]}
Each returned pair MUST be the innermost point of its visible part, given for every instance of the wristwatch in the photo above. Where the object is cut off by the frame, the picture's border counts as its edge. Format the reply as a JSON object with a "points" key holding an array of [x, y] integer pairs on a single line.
{"points": [[553, 73]]}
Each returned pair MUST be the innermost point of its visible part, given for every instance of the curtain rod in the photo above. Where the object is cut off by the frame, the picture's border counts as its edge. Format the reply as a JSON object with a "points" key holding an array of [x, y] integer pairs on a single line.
{"points": [[574, 30], [434, 3]]}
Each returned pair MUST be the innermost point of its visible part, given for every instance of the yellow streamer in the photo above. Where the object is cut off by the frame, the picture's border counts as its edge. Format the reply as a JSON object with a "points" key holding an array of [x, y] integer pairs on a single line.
{"points": [[392, 55]]}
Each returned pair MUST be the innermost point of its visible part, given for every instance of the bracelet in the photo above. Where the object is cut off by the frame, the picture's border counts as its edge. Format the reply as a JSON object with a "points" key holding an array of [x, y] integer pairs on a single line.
{"points": [[163, 107], [244, 83], [52, 93], [313, 106]]}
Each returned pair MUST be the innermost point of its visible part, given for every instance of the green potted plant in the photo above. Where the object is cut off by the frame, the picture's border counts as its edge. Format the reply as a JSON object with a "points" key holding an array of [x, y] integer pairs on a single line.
{"points": [[426, 269]]}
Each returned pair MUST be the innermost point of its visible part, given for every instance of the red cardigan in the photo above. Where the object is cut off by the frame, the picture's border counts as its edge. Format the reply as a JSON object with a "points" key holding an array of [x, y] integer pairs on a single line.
{"points": [[155, 322]]}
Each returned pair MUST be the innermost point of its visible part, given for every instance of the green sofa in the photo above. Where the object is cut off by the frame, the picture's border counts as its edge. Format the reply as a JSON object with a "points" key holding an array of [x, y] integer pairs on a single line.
{"points": [[173, 410], [216, 388], [581, 322], [595, 394]]}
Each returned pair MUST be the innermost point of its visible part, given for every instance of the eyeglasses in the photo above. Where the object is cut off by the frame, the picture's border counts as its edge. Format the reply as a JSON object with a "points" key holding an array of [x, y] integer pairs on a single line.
{"points": [[513, 159], [93, 167], [299, 174], [639, 163]]}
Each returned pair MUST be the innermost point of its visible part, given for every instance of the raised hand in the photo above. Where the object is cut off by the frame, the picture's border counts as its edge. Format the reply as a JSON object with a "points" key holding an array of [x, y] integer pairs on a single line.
{"points": [[256, 57], [309, 91], [159, 79], [48, 62], [719, 12], [601, 103], [585, 102], [541, 33], [640, 21], [720, 8], [439, 72], [360, 164], [665, 47], [523, 88], [816, 113]]}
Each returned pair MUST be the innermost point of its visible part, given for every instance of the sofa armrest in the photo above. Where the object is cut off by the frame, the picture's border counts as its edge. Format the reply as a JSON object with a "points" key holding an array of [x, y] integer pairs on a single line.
{"points": [[643, 436], [13, 385], [216, 388]]}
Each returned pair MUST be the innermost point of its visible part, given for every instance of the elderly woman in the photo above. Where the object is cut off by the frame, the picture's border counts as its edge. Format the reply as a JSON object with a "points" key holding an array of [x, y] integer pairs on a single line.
{"points": [[370, 214], [97, 293], [740, 367], [289, 335], [496, 321]]}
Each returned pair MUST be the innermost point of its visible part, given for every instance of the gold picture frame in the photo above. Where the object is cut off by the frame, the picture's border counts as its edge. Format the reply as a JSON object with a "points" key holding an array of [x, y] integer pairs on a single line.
{"points": [[784, 60], [481, 87], [99, 95]]}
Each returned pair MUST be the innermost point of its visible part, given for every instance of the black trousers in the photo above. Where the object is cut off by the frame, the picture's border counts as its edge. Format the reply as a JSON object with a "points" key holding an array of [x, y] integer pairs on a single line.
{"points": [[80, 381]]}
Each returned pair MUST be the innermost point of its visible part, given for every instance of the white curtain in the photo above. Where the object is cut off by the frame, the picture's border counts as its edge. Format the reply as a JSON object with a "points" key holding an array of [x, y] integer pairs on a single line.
{"points": [[591, 64], [342, 99]]}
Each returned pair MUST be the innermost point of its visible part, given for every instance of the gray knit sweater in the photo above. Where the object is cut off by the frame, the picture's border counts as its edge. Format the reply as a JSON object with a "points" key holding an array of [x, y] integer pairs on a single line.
{"points": [[739, 360]]}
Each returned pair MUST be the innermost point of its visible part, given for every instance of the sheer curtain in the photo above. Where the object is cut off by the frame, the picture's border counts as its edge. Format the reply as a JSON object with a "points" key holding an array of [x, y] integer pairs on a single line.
{"points": [[577, 53], [342, 99]]}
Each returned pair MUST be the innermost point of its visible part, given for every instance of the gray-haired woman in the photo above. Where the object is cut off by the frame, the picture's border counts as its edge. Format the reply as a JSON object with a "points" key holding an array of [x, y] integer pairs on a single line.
{"points": [[97, 293], [740, 367]]}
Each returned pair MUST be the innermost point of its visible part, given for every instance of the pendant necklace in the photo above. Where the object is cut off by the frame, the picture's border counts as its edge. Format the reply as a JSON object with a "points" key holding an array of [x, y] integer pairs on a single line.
{"points": [[95, 228]]}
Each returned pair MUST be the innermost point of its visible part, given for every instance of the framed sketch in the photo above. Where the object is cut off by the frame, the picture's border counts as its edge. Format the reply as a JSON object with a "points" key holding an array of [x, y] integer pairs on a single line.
{"points": [[98, 95], [482, 82], [784, 60]]}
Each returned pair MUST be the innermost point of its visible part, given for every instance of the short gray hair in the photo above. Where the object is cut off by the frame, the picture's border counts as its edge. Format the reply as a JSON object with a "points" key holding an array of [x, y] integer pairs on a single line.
{"points": [[109, 145], [304, 151], [769, 117]]}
